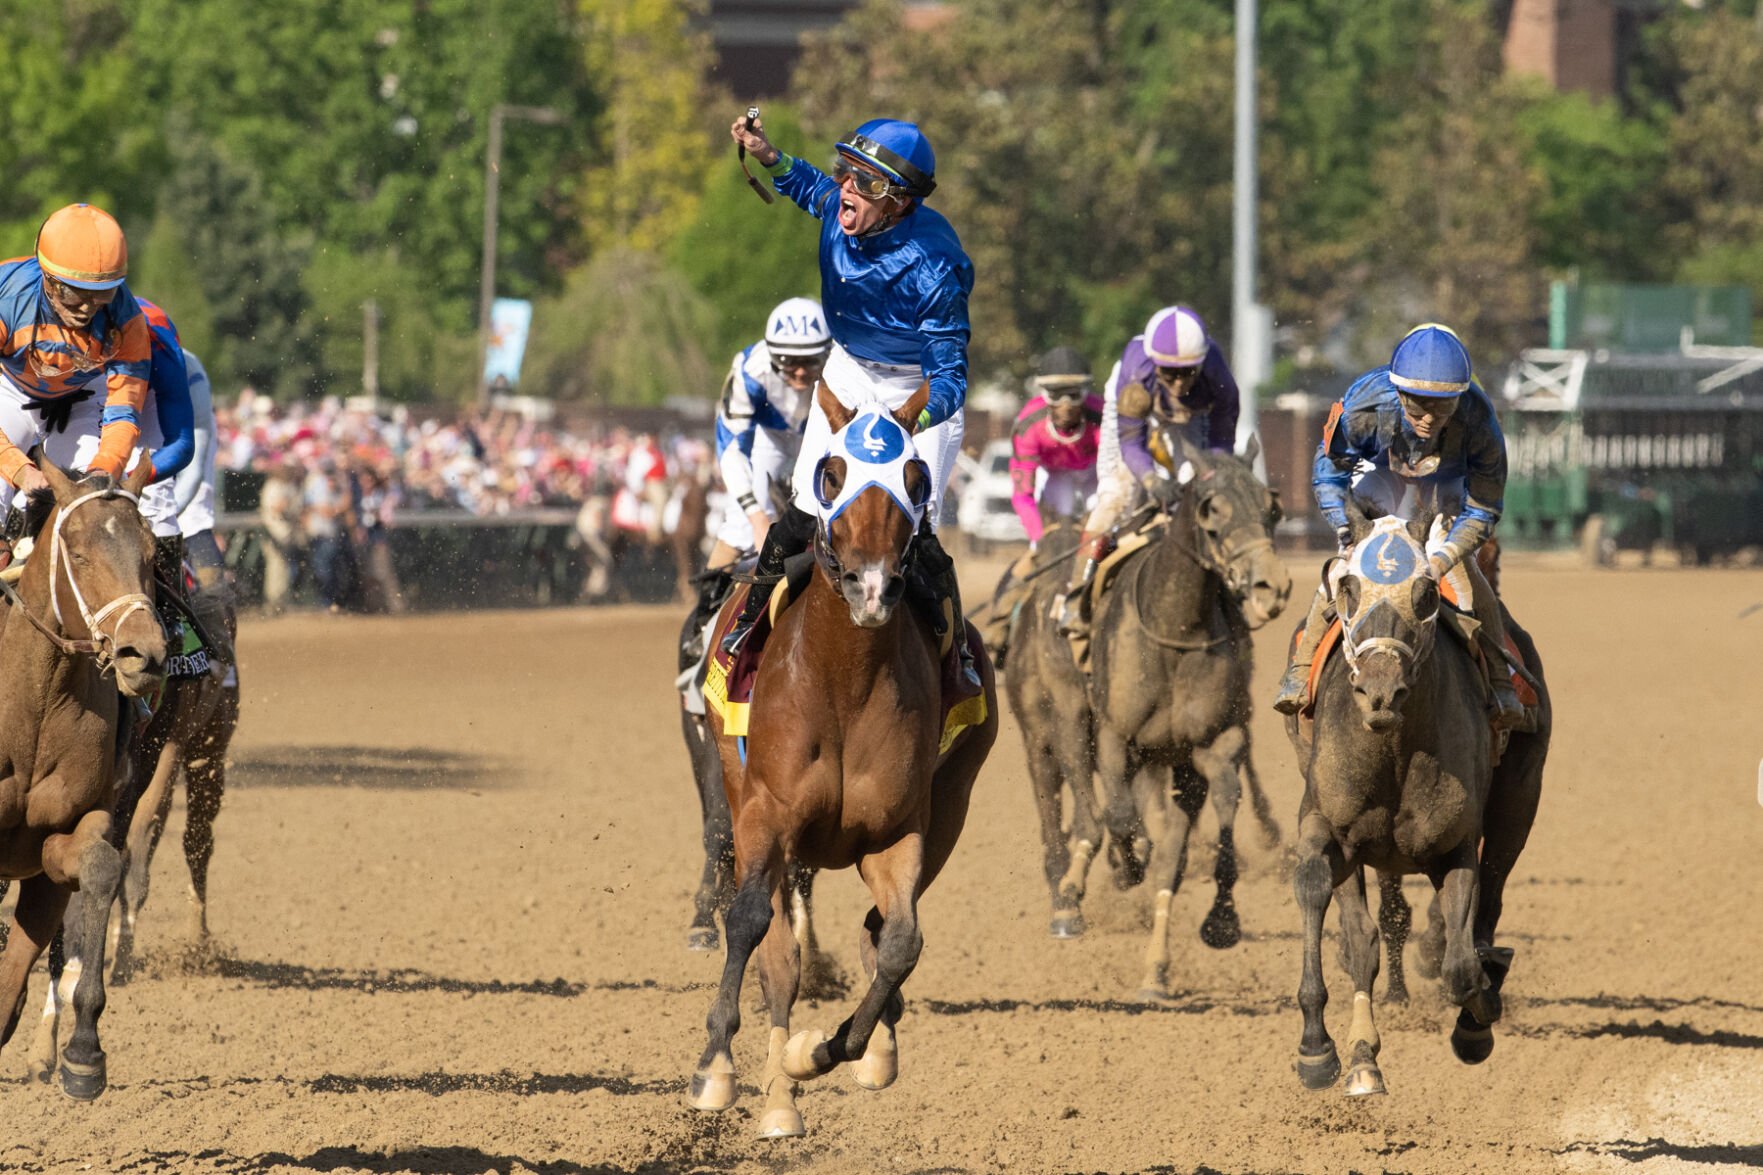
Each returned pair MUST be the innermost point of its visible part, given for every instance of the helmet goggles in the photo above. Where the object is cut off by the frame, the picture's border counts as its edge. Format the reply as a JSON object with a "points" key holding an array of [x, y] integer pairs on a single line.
{"points": [[869, 184]]}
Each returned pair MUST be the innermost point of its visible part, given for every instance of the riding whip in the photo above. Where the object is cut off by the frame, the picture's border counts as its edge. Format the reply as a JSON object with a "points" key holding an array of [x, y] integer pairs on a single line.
{"points": [[741, 154]]}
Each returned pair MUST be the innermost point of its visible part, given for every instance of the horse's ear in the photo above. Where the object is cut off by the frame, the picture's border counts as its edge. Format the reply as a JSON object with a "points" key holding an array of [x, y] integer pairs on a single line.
{"points": [[59, 482], [1420, 526], [1251, 448], [1191, 453], [136, 481], [837, 415], [1358, 525]]}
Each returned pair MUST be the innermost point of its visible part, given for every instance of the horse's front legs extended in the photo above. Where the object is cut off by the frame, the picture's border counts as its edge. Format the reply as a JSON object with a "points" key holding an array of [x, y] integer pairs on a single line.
{"points": [[747, 920], [1466, 983], [1170, 822], [1218, 763], [1120, 811], [780, 975], [1395, 918], [1321, 866], [893, 877], [1359, 959], [86, 858]]}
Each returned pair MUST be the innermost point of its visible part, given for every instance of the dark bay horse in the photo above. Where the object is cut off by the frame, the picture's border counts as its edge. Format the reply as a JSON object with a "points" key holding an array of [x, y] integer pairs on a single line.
{"points": [[1399, 777], [1049, 695], [843, 767], [1169, 682], [84, 628]]}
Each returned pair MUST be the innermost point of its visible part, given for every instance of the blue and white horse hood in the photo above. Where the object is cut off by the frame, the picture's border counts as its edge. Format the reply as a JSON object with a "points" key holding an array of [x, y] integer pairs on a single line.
{"points": [[877, 452]]}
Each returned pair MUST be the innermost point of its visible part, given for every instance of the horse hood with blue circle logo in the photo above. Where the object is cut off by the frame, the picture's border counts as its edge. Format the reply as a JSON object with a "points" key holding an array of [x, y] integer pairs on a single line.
{"points": [[877, 452]]}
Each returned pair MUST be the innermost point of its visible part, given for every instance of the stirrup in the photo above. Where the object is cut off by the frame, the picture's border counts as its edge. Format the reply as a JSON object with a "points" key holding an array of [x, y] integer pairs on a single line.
{"points": [[737, 636]]}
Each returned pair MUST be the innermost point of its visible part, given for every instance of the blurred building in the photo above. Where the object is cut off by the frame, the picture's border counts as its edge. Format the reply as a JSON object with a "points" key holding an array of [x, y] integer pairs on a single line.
{"points": [[758, 42], [1578, 45]]}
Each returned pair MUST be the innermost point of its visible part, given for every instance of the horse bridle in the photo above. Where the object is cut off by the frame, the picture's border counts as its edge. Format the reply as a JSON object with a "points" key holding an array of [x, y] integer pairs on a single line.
{"points": [[100, 644], [1410, 654]]}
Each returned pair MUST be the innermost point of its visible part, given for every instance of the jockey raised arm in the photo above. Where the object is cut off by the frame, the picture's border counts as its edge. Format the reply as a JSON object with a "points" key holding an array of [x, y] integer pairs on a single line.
{"points": [[1417, 435], [1172, 376], [894, 282]]}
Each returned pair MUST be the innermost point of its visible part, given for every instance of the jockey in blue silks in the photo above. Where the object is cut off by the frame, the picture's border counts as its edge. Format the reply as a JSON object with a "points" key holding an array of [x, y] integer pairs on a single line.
{"points": [[1418, 434], [894, 282]]}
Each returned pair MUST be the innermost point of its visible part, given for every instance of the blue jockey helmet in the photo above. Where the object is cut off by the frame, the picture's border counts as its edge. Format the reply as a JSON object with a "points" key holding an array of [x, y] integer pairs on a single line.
{"points": [[1431, 361], [898, 150]]}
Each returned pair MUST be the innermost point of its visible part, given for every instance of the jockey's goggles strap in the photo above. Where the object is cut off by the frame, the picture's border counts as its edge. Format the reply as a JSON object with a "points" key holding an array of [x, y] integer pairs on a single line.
{"points": [[917, 183]]}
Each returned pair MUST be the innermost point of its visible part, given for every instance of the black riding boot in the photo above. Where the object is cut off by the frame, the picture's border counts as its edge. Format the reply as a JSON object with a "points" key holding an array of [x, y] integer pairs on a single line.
{"points": [[789, 535], [938, 570], [168, 560], [712, 587]]}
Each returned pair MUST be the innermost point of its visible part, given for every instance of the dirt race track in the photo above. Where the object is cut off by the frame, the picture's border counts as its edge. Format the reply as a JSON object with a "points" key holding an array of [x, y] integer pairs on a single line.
{"points": [[453, 882]]}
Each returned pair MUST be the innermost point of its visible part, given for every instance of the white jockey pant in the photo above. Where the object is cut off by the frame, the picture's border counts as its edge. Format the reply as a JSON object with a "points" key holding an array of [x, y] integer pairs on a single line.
{"points": [[74, 447], [855, 382]]}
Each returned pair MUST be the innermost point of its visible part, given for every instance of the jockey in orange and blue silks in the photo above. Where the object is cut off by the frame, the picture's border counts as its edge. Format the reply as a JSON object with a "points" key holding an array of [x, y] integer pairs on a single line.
{"points": [[70, 330], [895, 281], [1417, 435]]}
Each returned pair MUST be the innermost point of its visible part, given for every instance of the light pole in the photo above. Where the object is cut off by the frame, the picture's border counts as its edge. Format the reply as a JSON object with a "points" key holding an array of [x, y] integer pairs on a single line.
{"points": [[486, 291], [1251, 326]]}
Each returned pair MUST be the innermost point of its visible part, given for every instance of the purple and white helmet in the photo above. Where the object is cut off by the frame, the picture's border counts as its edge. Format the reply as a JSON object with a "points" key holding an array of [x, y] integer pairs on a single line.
{"points": [[1175, 337]]}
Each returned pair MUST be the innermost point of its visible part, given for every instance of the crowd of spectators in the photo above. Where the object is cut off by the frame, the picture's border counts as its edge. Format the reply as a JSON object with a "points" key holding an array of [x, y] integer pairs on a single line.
{"points": [[334, 477]]}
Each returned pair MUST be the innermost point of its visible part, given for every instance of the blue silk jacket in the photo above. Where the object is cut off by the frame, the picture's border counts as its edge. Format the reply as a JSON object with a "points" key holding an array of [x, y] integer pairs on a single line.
{"points": [[898, 296], [1367, 425]]}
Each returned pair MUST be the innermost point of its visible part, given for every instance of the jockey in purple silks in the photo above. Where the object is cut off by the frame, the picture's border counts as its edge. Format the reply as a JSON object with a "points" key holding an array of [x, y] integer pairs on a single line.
{"points": [[1173, 376]]}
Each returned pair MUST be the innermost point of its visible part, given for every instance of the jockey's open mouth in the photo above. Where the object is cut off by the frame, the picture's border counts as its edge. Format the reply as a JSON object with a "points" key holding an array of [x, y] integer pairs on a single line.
{"points": [[866, 198]]}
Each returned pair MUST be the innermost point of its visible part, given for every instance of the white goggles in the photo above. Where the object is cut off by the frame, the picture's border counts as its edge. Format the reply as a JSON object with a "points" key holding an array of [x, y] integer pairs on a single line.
{"points": [[877, 452]]}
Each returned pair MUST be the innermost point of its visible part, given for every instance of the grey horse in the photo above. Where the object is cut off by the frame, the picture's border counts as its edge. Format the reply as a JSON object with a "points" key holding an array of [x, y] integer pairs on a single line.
{"points": [[1169, 681], [1400, 777]]}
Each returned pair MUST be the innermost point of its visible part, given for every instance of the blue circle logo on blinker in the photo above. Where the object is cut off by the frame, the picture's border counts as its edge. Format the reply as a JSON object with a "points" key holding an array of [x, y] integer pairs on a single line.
{"points": [[1388, 559], [875, 440]]}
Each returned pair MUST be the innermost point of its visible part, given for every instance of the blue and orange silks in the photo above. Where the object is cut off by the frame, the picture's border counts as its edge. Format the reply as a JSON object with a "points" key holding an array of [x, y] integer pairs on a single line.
{"points": [[48, 361]]}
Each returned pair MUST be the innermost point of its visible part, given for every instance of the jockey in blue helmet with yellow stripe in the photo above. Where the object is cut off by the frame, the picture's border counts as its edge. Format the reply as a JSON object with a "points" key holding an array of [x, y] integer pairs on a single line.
{"points": [[1417, 434]]}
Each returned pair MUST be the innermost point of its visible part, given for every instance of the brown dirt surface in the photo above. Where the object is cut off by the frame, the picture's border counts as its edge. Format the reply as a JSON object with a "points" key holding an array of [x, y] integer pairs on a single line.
{"points": [[454, 876]]}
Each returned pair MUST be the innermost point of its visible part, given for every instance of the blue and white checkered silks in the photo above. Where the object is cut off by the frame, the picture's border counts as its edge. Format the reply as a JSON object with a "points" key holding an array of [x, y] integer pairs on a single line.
{"points": [[877, 452]]}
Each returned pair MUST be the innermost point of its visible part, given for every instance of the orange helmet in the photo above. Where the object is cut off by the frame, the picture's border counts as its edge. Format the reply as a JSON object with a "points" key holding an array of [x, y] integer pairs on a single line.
{"points": [[83, 246]]}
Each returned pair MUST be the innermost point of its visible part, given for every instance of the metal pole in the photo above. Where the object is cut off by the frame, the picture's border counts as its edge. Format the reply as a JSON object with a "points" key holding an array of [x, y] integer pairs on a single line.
{"points": [[486, 290], [370, 348], [1251, 324]]}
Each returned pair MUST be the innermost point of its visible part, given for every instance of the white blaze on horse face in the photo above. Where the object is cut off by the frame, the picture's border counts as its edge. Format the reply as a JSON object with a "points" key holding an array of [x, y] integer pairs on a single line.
{"points": [[872, 611], [877, 452]]}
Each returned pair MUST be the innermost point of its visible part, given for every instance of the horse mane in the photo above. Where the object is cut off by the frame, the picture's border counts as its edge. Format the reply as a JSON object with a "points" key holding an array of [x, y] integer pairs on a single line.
{"points": [[36, 511]]}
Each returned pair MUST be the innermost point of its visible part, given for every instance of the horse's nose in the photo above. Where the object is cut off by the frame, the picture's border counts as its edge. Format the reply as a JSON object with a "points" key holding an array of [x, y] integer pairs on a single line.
{"points": [[139, 669]]}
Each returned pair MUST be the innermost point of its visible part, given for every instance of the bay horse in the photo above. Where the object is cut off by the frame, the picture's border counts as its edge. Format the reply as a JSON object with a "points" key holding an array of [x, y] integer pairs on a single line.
{"points": [[716, 881], [843, 767], [1169, 682], [81, 629], [1399, 776]]}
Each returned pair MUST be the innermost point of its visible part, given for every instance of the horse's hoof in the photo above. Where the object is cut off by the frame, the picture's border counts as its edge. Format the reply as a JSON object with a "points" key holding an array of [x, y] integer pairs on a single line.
{"points": [[1363, 1080], [1153, 993], [1319, 1072], [83, 1082], [713, 1090], [1221, 931], [41, 1068], [1067, 924], [784, 1123], [702, 938], [798, 1059], [1471, 1041], [879, 1065]]}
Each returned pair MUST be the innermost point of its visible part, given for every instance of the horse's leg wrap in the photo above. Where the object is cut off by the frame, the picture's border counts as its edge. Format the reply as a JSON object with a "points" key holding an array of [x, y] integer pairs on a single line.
{"points": [[1293, 685], [788, 536]]}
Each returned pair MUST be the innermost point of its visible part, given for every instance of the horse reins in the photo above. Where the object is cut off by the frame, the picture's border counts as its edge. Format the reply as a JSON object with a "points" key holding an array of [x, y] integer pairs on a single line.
{"points": [[100, 641], [1220, 565]]}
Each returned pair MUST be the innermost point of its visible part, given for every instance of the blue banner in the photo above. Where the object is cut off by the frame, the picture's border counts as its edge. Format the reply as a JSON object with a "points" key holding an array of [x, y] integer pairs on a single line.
{"points": [[510, 320]]}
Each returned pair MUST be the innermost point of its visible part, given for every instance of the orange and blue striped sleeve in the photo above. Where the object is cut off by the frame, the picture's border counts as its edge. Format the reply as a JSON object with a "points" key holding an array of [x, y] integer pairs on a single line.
{"points": [[125, 379]]}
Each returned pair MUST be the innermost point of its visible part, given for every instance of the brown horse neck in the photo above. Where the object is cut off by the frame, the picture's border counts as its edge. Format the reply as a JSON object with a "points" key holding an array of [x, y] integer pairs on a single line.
{"points": [[864, 652]]}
